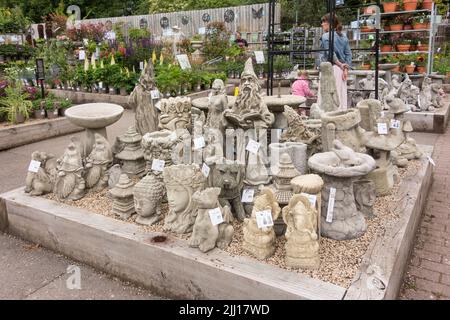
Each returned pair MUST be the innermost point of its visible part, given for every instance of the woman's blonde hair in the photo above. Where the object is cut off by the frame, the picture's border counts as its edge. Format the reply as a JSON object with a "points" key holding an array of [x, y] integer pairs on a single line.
{"points": [[302, 73]]}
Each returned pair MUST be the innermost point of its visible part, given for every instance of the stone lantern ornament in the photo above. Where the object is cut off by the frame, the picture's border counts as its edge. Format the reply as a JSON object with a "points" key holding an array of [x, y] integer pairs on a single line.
{"points": [[122, 194], [339, 168], [132, 156]]}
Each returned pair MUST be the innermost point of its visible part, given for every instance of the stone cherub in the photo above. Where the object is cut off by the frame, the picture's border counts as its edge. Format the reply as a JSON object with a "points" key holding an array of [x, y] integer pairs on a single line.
{"points": [[205, 235], [249, 111], [42, 181], [98, 163], [140, 100], [217, 104], [148, 194], [70, 183], [302, 246], [229, 177], [260, 242]]}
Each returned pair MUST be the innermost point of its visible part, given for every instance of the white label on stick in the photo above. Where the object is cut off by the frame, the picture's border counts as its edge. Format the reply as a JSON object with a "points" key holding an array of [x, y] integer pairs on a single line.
{"points": [[82, 55], [205, 170], [330, 209], [259, 55], [154, 94], [382, 128], [183, 60], [158, 165], [247, 195], [216, 216], [395, 124], [253, 146], [264, 219], [431, 161], [141, 65], [311, 197], [34, 166], [199, 143]]}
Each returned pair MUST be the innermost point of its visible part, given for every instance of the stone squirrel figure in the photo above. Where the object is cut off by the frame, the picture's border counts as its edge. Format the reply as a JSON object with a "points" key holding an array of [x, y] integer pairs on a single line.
{"points": [[42, 181], [205, 235]]}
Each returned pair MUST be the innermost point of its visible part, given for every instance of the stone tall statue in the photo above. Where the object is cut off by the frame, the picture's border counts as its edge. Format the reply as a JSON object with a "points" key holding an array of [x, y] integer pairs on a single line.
{"points": [[217, 103], [249, 111], [329, 98], [146, 115]]}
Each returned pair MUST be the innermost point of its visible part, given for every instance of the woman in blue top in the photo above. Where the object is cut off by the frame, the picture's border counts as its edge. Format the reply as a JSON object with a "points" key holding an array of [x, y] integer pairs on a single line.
{"points": [[342, 56]]}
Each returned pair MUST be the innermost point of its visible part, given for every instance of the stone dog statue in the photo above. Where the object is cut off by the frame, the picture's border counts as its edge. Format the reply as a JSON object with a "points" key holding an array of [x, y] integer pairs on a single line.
{"points": [[42, 181], [205, 235], [229, 177]]}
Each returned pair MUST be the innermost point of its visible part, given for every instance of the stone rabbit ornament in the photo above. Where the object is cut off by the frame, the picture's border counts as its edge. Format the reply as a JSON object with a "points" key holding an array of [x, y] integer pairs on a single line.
{"points": [[206, 235]]}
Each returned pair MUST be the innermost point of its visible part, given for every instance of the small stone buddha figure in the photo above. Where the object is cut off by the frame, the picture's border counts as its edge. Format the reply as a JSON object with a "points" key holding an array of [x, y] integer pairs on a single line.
{"points": [[182, 181], [217, 103], [260, 242], [302, 246], [69, 182], [97, 164], [148, 194], [249, 111]]}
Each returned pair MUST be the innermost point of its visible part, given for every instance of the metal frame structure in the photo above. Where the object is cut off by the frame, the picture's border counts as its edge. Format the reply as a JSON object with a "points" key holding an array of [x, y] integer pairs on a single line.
{"points": [[332, 9]]}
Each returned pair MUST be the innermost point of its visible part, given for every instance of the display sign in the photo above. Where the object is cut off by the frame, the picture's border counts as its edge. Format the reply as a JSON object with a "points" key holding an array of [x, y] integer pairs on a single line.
{"points": [[183, 60], [40, 69], [34, 166], [248, 195]]}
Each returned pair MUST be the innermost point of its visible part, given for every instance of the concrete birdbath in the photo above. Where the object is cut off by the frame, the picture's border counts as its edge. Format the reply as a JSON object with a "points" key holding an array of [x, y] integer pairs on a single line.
{"points": [[94, 117], [339, 168]]}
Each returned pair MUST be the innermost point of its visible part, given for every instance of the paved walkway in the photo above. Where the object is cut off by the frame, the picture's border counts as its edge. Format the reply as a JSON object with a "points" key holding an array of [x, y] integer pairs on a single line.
{"points": [[428, 275]]}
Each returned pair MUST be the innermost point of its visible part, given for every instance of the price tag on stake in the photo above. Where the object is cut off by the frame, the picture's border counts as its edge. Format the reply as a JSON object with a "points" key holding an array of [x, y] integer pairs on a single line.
{"points": [[154, 94], [264, 219], [141, 65], [216, 216], [382, 128], [330, 209], [81, 55], [248, 195], [205, 170], [199, 143], [259, 55], [158, 165], [34, 166], [253, 146], [311, 197], [395, 124]]}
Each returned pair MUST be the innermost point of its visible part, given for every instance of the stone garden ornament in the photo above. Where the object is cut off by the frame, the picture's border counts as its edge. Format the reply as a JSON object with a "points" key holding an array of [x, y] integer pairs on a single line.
{"points": [[98, 163], [42, 180]]}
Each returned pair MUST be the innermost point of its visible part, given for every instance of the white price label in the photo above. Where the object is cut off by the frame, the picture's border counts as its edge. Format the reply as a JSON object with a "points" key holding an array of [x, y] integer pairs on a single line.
{"points": [[141, 65], [264, 219], [154, 94], [248, 195], [82, 55], [34, 166], [199, 143], [202, 30], [42, 112], [216, 216], [311, 197], [431, 161], [330, 209], [395, 124], [259, 55], [100, 85], [253, 146], [419, 102], [205, 170], [158, 105], [158, 165], [382, 128]]}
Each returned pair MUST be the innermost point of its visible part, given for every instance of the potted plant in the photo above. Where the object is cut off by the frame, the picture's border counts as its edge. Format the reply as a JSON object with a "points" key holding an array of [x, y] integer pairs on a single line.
{"points": [[365, 27], [421, 22], [14, 104], [422, 45], [50, 107], [64, 105], [38, 108], [427, 4], [409, 68], [404, 45], [421, 63], [407, 22], [410, 5], [386, 44], [396, 24], [365, 64], [390, 6]]}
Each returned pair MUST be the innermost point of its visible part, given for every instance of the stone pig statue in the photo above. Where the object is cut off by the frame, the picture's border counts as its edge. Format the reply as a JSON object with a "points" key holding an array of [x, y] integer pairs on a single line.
{"points": [[42, 181], [205, 235]]}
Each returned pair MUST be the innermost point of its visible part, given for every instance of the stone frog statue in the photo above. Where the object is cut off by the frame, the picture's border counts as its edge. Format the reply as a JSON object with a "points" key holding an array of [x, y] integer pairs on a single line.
{"points": [[42, 181], [229, 177], [205, 235], [98, 163]]}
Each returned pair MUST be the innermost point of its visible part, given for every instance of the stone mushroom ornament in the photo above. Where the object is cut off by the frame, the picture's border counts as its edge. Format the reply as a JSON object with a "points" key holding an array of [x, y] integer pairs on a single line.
{"points": [[207, 235]]}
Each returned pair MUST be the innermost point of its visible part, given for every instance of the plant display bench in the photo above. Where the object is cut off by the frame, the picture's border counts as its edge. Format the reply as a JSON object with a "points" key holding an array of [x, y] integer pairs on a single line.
{"points": [[430, 121], [170, 267], [21, 134]]}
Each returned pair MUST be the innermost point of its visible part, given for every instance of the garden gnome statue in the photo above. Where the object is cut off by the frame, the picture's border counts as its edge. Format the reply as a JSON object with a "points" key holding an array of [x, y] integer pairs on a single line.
{"points": [[302, 246], [217, 103], [249, 111], [146, 115], [69, 182], [122, 194], [259, 236], [41, 180], [98, 163], [212, 226]]}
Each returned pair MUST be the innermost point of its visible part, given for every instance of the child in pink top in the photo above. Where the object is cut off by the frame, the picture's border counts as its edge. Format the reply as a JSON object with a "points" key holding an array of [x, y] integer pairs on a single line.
{"points": [[300, 87]]}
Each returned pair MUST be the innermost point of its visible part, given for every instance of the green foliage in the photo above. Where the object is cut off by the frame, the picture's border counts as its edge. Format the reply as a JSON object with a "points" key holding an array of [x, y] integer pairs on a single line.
{"points": [[15, 102], [13, 20], [137, 33], [217, 40]]}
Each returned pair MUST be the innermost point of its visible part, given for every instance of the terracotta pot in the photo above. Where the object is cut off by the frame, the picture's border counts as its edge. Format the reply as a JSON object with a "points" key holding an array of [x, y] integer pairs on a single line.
{"points": [[422, 47], [421, 69], [365, 67], [390, 6], [386, 48], [403, 47], [427, 4], [367, 29], [428, 25], [410, 5], [413, 47], [420, 26], [410, 69], [387, 28], [396, 27], [407, 27]]}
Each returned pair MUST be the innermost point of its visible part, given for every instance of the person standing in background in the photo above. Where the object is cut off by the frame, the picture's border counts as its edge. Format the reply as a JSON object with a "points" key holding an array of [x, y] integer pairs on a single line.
{"points": [[239, 41]]}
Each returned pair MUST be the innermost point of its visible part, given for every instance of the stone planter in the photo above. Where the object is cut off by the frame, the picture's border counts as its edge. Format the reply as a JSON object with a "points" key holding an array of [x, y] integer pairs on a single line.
{"points": [[19, 118]]}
